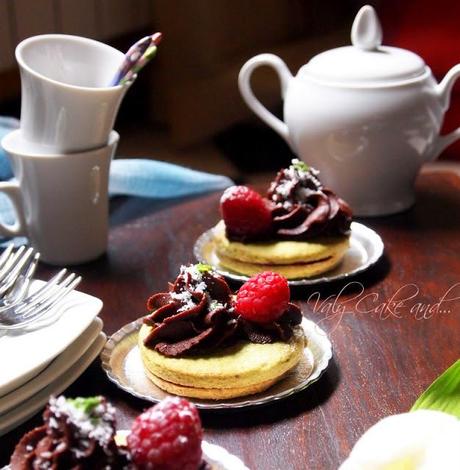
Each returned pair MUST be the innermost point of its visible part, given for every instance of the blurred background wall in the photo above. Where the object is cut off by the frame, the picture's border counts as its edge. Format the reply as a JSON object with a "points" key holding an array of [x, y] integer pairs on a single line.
{"points": [[188, 95]]}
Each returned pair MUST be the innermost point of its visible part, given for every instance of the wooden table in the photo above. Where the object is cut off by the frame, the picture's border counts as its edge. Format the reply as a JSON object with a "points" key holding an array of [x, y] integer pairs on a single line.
{"points": [[385, 353]]}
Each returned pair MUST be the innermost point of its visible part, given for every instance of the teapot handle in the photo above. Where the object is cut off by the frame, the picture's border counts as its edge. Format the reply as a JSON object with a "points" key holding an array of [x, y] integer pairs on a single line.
{"points": [[444, 90], [246, 91]]}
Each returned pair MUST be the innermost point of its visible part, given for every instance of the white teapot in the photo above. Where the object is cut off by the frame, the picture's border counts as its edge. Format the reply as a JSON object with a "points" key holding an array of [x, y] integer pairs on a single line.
{"points": [[367, 116]]}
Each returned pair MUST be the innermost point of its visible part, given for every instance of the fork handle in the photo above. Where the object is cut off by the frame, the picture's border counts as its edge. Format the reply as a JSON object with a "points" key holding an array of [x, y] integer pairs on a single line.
{"points": [[12, 190]]}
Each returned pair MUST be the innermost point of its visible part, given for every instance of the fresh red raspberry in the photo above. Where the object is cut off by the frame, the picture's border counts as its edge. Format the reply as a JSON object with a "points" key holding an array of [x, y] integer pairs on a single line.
{"points": [[167, 436], [263, 298], [245, 212]]}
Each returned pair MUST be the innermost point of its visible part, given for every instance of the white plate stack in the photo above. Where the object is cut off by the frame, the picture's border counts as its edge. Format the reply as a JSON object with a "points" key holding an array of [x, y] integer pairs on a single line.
{"points": [[45, 358]]}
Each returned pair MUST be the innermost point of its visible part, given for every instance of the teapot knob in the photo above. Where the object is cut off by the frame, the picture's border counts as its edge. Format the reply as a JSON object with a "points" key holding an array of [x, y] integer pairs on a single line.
{"points": [[366, 32]]}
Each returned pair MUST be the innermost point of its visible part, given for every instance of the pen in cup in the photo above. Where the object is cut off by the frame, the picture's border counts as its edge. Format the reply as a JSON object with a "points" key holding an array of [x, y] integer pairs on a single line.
{"points": [[138, 55]]}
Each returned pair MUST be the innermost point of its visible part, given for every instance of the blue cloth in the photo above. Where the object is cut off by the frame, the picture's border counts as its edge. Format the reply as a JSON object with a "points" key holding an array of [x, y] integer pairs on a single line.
{"points": [[130, 177], [7, 125], [160, 180]]}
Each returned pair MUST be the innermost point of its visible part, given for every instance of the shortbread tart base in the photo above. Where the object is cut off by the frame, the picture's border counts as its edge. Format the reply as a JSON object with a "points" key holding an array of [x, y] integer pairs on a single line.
{"points": [[210, 393], [289, 271], [241, 369], [279, 252]]}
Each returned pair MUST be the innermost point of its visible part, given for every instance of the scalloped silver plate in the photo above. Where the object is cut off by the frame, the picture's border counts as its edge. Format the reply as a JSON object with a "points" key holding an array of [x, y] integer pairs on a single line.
{"points": [[366, 248], [122, 363]]}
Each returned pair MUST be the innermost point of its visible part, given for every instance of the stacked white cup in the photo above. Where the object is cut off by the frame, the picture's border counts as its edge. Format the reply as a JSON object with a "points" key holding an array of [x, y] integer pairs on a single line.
{"points": [[62, 152]]}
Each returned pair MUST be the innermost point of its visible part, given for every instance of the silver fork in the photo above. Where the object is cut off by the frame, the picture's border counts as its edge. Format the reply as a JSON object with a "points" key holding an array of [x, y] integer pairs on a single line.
{"points": [[41, 302]]}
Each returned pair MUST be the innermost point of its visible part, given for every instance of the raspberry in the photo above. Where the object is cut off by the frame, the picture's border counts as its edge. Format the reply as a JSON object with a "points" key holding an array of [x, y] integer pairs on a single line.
{"points": [[167, 436], [263, 298], [245, 212]]}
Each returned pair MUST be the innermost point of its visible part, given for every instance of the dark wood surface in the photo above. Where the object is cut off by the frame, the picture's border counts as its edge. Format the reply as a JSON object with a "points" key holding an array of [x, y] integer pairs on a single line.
{"points": [[385, 353]]}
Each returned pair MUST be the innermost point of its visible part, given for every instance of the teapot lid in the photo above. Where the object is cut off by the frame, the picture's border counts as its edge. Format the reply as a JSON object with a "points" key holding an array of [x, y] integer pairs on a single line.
{"points": [[366, 61]]}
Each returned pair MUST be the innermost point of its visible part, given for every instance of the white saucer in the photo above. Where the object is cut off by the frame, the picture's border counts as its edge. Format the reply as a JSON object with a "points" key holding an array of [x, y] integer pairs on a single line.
{"points": [[56, 368], [20, 414], [34, 347]]}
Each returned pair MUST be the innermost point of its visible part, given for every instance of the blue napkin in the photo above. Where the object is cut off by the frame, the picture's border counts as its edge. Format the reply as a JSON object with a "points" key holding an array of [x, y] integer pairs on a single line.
{"points": [[130, 177]]}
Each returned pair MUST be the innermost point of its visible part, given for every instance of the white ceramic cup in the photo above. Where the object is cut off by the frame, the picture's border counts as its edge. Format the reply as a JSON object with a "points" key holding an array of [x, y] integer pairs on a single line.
{"points": [[61, 201], [67, 103]]}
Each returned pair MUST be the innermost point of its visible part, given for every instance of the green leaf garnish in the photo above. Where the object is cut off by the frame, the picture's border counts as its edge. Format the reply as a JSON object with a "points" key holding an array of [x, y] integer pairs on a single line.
{"points": [[86, 405], [203, 268], [443, 394], [300, 166]]}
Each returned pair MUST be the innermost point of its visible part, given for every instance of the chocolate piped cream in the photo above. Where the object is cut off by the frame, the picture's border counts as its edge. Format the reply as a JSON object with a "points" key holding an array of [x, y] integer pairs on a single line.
{"points": [[197, 315], [76, 434], [303, 209]]}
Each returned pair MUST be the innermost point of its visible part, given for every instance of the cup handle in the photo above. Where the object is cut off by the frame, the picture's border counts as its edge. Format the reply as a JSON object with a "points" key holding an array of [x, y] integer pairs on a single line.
{"points": [[12, 191], [249, 97], [444, 90]]}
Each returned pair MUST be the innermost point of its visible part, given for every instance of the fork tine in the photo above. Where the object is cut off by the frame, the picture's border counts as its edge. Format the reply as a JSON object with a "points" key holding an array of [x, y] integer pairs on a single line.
{"points": [[6, 254], [63, 293], [36, 296], [10, 259], [31, 269], [37, 310], [11, 262], [15, 271], [21, 285]]}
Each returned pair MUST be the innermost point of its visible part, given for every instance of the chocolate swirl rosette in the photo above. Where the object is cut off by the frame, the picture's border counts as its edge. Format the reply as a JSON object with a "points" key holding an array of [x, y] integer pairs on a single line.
{"points": [[76, 434]]}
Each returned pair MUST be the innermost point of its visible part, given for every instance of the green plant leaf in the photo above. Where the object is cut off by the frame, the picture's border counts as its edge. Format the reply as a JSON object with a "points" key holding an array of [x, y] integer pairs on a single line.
{"points": [[443, 394], [87, 404], [300, 166], [203, 268]]}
